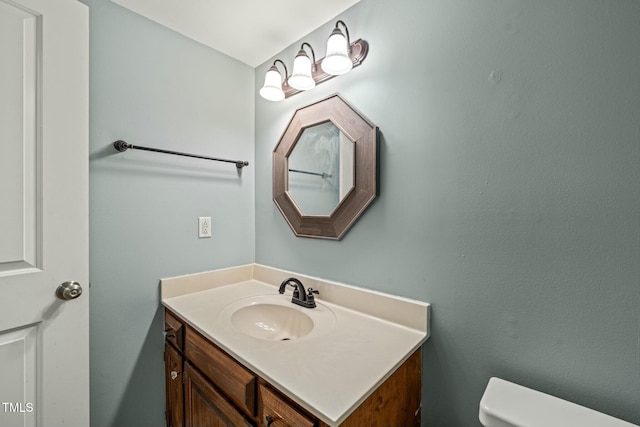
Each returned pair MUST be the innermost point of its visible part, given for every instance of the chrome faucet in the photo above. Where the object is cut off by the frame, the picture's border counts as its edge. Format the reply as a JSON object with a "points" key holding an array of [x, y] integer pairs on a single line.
{"points": [[300, 296]]}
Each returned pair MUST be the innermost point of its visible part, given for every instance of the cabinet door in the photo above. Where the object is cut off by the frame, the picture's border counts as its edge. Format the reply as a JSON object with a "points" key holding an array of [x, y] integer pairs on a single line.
{"points": [[174, 389], [205, 406]]}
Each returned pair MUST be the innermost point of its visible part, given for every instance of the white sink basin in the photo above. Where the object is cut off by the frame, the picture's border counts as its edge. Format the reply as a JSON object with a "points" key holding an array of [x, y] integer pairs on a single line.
{"points": [[275, 318], [272, 322]]}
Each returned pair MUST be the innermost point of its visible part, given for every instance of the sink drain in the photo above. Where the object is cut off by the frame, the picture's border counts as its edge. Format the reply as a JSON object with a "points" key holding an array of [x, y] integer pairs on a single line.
{"points": [[285, 339]]}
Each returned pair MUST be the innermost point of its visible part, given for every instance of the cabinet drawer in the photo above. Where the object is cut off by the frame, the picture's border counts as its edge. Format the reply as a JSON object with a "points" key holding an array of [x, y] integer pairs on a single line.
{"points": [[277, 412], [174, 330], [222, 370]]}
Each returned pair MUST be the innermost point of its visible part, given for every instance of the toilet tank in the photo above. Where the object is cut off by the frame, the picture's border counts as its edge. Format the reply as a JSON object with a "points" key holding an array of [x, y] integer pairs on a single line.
{"points": [[505, 404]]}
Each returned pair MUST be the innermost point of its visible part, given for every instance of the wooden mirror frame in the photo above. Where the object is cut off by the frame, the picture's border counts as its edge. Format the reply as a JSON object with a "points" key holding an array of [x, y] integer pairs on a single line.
{"points": [[365, 138]]}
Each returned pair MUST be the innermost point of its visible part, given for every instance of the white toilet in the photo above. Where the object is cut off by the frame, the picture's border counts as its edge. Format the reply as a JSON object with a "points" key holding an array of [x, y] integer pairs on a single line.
{"points": [[506, 404]]}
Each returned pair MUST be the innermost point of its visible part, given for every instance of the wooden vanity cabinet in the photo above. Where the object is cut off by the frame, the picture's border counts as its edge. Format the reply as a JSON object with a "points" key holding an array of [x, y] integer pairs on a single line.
{"points": [[205, 387]]}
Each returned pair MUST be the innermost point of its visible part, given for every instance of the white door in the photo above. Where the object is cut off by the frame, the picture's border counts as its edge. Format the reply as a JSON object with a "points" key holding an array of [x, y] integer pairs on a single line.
{"points": [[44, 339]]}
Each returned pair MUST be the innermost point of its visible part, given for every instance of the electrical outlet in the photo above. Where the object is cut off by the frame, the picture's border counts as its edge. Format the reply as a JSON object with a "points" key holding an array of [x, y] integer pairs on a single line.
{"points": [[204, 227]]}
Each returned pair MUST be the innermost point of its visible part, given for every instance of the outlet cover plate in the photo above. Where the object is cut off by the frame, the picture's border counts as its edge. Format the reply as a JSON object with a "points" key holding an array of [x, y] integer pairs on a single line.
{"points": [[204, 227]]}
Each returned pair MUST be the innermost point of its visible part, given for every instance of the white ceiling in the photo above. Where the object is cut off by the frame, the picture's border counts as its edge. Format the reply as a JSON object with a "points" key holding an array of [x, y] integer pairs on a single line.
{"points": [[251, 31]]}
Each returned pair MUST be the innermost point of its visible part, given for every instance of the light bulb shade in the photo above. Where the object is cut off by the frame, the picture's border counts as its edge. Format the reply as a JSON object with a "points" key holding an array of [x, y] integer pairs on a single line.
{"points": [[337, 60], [272, 88], [301, 78]]}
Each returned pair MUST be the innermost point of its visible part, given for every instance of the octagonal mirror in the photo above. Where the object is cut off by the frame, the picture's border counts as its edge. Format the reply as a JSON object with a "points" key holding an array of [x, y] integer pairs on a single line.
{"points": [[325, 169]]}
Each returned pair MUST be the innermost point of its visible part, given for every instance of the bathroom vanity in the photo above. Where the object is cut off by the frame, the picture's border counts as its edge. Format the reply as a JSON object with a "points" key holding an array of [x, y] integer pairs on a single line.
{"points": [[334, 365]]}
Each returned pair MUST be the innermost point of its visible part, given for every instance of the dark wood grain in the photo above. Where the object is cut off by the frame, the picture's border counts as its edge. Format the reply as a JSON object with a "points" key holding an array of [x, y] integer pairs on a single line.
{"points": [[237, 382], [174, 390], [279, 409], [174, 330], [396, 403], [207, 407]]}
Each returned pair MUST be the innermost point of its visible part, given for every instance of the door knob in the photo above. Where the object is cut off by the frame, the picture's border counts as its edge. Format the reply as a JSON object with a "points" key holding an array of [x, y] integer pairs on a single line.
{"points": [[69, 290]]}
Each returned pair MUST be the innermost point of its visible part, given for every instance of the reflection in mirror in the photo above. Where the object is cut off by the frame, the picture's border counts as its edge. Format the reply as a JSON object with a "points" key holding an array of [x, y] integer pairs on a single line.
{"points": [[321, 169]]}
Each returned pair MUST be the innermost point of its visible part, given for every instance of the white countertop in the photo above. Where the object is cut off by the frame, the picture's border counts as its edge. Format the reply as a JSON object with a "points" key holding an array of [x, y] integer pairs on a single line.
{"points": [[328, 374]]}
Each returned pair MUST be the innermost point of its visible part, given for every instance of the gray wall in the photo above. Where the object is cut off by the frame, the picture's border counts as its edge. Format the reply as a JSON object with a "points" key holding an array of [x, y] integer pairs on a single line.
{"points": [[151, 86], [510, 192]]}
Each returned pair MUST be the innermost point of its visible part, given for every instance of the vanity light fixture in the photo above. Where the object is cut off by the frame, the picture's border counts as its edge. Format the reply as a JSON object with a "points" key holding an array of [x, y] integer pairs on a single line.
{"points": [[337, 61], [341, 57], [272, 88], [301, 77]]}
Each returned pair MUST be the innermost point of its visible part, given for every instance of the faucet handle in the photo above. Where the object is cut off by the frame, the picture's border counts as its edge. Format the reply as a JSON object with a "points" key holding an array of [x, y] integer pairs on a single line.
{"points": [[310, 299]]}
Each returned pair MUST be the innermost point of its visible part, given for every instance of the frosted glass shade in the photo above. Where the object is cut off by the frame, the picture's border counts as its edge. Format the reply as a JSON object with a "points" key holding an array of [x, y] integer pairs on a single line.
{"points": [[272, 88], [337, 60], [301, 77]]}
